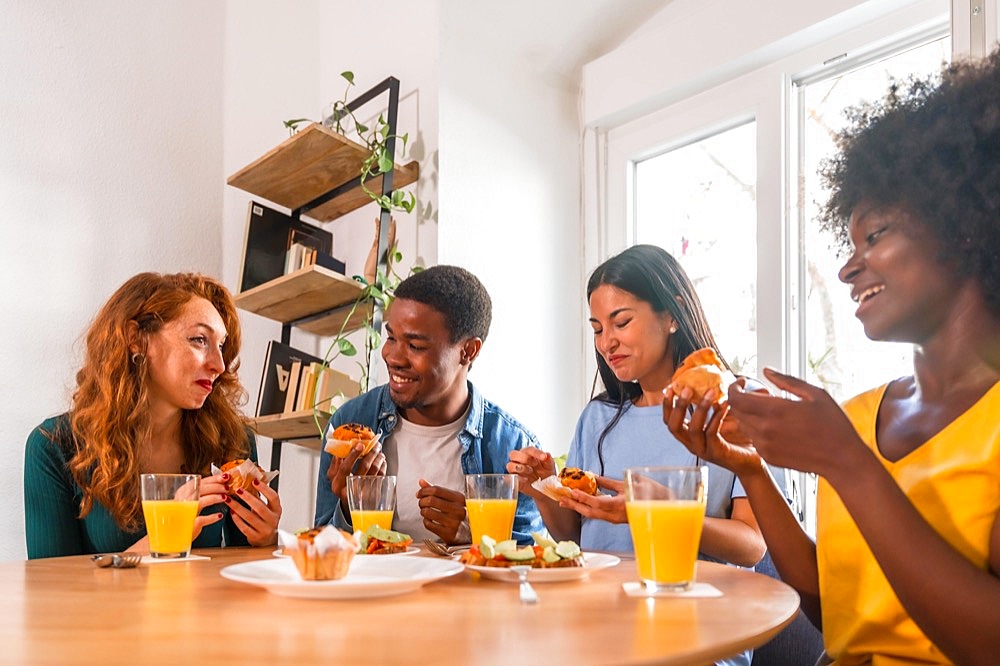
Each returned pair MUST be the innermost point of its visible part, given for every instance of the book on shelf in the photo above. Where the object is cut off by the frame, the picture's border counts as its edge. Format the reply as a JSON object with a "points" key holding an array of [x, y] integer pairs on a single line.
{"points": [[289, 382], [293, 386], [269, 235], [299, 256]]}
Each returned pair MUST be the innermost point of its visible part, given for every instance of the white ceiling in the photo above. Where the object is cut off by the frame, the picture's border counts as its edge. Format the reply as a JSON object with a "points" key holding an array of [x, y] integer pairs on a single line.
{"points": [[560, 36]]}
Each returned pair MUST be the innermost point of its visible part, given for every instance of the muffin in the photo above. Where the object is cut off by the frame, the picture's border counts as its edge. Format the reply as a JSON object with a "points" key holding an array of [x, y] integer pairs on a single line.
{"points": [[340, 442], [320, 553]]}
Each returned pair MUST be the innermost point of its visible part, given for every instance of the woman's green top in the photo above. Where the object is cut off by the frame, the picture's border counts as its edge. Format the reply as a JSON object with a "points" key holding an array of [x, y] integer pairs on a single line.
{"points": [[52, 526]]}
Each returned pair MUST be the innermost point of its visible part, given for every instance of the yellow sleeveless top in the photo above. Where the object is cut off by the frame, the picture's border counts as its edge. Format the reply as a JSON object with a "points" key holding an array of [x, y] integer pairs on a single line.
{"points": [[953, 480]]}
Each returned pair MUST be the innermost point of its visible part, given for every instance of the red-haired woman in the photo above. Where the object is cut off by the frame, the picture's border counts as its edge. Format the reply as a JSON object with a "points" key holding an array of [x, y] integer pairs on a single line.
{"points": [[158, 392]]}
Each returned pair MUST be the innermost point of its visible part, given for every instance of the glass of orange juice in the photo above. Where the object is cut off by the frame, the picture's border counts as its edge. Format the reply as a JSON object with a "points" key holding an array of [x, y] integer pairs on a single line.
{"points": [[169, 505], [491, 500], [666, 511], [372, 501]]}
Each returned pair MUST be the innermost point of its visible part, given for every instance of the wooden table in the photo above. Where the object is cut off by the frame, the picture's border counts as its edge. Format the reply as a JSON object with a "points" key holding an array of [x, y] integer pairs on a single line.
{"points": [[65, 610]]}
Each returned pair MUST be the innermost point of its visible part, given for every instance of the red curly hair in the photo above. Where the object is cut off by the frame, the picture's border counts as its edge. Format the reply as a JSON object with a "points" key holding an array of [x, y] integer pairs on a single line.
{"points": [[109, 414]]}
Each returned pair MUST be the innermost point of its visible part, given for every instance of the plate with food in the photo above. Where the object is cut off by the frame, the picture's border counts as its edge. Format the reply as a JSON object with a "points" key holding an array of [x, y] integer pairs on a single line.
{"points": [[550, 562], [382, 542], [366, 577], [410, 550]]}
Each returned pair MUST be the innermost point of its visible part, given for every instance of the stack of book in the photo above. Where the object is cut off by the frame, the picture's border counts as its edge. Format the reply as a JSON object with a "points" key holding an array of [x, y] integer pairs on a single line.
{"points": [[300, 255], [277, 244], [294, 381]]}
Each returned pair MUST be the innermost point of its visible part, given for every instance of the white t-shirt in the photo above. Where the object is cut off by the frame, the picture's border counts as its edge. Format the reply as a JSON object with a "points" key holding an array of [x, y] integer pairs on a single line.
{"points": [[432, 453]]}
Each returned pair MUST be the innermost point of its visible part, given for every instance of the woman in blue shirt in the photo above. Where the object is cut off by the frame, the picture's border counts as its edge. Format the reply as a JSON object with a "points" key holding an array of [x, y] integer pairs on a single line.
{"points": [[646, 319]]}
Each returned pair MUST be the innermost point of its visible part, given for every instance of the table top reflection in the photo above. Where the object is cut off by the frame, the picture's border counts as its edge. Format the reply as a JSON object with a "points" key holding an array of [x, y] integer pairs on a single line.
{"points": [[66, 610]]}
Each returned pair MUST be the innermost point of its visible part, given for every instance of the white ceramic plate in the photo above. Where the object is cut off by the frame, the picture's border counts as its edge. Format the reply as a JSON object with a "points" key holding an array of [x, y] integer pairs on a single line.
{"points": [[411, 550], [367, 577], [591, 562]]}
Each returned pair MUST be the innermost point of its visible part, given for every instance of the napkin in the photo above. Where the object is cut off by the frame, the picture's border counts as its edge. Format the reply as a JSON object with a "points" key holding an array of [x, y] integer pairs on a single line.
{"points": [[637, 589]]}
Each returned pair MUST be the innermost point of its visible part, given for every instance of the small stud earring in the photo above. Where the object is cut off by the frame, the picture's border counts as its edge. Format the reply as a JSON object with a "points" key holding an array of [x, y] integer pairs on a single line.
{"points": [[673, 328]]}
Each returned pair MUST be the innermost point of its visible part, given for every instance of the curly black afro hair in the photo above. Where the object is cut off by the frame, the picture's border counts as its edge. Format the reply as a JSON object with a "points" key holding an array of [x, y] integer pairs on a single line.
{"points": [[455, 293], [931, 147]]}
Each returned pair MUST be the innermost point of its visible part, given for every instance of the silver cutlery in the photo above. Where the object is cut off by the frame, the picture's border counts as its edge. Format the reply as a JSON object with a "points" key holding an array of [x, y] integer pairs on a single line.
{"points": [[444, 551], [125, 560], [526, 592]]}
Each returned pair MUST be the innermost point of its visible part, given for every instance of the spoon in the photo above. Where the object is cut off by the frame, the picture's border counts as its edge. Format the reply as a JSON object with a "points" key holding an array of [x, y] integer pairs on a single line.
{"points": [[526, 592], [125, 560]]}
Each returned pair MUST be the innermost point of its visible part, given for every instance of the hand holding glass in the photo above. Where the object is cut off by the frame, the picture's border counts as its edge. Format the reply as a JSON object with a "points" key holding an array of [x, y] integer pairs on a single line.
{"points": [[170, 506], [491, 500], [666, 512], [372, 501]]}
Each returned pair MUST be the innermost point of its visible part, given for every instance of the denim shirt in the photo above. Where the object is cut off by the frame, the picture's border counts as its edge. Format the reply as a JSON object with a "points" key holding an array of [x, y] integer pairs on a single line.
{"points": [[488, 437]]}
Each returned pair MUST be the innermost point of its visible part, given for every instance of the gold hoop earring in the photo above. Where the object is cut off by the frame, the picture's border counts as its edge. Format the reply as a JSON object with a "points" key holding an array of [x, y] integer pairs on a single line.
{"points": [[137, 358]]}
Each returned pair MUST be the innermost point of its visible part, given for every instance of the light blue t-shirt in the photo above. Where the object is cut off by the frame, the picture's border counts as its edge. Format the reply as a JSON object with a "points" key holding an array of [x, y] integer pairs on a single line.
{"points": [[640, 438]]}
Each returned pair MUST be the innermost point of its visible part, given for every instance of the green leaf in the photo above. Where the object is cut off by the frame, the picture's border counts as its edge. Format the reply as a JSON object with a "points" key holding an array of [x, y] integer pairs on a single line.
{"points": [[348, 76], [361, 128], [346, 347], [384, 163]]}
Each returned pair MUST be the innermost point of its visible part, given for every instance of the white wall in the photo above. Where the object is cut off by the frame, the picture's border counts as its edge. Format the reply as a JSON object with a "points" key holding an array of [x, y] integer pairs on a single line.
{"points": [[110, 164], [509, 200], [272, 64]]}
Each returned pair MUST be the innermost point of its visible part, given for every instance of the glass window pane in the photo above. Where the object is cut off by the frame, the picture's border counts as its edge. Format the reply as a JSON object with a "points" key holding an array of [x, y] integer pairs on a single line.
{"points": [[699, 202], [838, 356]]}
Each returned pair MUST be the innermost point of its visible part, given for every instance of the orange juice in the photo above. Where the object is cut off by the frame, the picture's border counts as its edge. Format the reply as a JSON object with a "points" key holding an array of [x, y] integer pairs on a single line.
{"points": [[170, 524], [362, 520], [494, 517], [666, 534]]}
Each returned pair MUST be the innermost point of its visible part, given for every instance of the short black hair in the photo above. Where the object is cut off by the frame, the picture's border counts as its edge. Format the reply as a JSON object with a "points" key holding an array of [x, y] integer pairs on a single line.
{"points": [[455, 293], [931, 147]]}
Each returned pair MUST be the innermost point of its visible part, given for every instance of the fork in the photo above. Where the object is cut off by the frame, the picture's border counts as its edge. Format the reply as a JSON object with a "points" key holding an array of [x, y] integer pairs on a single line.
{"points": [[525, 591], [125, 560], [443, 550]]}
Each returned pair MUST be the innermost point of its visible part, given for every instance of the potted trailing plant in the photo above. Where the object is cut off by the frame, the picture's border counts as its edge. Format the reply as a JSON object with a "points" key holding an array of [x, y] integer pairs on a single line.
{"points": [[375, 139], [378, 285]]}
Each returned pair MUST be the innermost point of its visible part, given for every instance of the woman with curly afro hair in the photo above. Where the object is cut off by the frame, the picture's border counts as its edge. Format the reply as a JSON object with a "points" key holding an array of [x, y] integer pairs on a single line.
{"points": [[158, 392], [906, 563]]}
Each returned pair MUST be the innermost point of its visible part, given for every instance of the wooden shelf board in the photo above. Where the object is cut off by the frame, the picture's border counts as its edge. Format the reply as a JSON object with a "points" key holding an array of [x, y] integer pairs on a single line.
{"points": [[297, 428], [311, 163], [306, 292]]}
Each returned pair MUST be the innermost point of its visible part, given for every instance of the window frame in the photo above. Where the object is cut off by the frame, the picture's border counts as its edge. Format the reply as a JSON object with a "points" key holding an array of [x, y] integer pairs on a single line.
{"points": [[766, 96]]}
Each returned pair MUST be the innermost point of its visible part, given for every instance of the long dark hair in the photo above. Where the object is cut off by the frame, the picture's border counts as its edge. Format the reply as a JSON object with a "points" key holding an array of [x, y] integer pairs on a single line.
{"points": [[651, 274]]}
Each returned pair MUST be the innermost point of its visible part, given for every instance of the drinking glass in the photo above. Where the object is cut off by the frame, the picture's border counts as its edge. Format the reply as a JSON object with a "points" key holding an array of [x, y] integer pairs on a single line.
{"points": [[372, 501], [169, 505], [666, 512], [491, 500]]}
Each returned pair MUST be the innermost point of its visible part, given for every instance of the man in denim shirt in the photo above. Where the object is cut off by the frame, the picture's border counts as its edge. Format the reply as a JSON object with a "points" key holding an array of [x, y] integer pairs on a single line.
{"points": [[436, 426]]}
